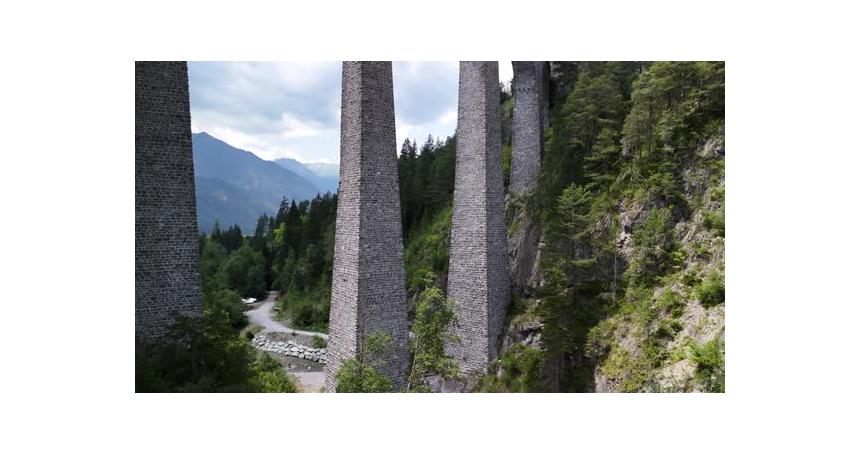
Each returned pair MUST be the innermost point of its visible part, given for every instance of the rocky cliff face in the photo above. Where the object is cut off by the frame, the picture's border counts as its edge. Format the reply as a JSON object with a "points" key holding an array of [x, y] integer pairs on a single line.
{"points": [[672, 338], [524, 235], [659, 349]]}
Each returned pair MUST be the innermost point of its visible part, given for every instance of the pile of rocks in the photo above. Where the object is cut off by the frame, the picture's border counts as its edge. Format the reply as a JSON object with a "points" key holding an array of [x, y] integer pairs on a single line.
{"points": [[289, 348]]}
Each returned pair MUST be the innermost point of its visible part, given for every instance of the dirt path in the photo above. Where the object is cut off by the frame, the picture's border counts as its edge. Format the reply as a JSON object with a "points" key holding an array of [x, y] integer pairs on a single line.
{"points": [[308, 381], [262, 316]]}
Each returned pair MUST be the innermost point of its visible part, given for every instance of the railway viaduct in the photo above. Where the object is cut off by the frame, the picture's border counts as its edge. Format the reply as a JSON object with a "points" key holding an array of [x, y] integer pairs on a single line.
{"points": [[368, 284]]}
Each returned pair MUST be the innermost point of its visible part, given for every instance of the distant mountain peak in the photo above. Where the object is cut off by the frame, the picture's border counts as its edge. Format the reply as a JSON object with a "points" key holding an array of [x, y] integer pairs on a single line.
{"points": [[319, 173], [235, 186]]}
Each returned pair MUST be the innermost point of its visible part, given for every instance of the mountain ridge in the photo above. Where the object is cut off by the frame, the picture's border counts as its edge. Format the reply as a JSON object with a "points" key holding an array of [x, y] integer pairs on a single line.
{"points": [[317, 173], [232, 183]]}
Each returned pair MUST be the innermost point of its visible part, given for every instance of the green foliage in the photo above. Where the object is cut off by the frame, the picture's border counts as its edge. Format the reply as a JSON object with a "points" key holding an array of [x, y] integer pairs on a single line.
{"points": [[631, 371], [582, 144], [229, 304], [675, 107], [572, 296], [710, 363], [623, 136], [359, 375], [307, 311], [301, 251], [230, 239], [599, 340], [712, 290], [668, 328], [427, 251], [206, 355], [569, 233], [507, 154], [212, 256], [716, 221], [431, 328], [654, 247], [671, 303], [246, 271], [319, 342], [426, 179], [520, 369], [269, 376]]}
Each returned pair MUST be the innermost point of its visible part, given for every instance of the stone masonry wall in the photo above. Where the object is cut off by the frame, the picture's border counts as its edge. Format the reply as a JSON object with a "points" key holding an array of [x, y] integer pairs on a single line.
{"points": [[543, 81], [167, 268], [368, 282], [527, 133], [478, 265]]}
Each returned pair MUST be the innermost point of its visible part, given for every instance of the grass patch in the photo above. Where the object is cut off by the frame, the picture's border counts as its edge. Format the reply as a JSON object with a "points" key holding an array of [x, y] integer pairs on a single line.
{"points": [[319, 342]]}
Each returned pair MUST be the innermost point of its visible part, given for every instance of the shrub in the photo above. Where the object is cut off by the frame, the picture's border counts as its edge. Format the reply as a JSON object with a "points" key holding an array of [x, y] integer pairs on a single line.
{"points": [[690, 278], [712, 290], [716, 221], [427, 251], [245, 271], [654, 247], [206, 355], [319, 342], [710, 365], [668, 328], [434, 318], [671, 302], [228, 304], [599, 341], [519, 369], [270, 377], [308, 310], [359, 374]]}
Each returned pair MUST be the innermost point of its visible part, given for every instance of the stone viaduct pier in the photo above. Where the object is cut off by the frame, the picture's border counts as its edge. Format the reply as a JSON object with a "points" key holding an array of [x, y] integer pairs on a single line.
{"points": [[478, 264], [166, 259], [368, 283], [530, 117]]}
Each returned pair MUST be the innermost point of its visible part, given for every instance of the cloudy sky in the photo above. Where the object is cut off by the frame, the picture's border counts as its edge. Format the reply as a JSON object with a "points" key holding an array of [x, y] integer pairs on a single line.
{"points": [[292, 109]]}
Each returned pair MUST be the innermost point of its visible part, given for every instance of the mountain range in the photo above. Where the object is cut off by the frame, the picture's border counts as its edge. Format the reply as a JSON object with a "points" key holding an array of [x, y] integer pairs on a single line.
{"points": [[319, 173], [235, 186]]}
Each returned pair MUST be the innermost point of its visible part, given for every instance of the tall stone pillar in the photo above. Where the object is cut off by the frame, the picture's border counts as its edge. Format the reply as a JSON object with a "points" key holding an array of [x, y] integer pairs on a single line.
{"points": [[368, 291], [166, 258], [543, 81], [527, 126], [478, 267]]}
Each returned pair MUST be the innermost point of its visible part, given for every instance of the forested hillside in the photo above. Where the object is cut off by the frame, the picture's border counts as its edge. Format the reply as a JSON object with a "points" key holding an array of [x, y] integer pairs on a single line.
{"points": [[631, 285]]}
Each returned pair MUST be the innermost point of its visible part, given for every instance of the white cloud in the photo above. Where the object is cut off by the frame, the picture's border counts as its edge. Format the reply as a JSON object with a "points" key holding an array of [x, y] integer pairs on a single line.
{"points": [[448, 118], [292, 109], [293, 127]]}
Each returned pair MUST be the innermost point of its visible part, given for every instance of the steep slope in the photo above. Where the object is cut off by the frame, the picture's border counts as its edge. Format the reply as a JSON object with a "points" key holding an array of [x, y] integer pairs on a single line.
{"points": [[627, 292], [327, 174], [669, 337], [219, 201], [238, 186], [323, 169]]}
